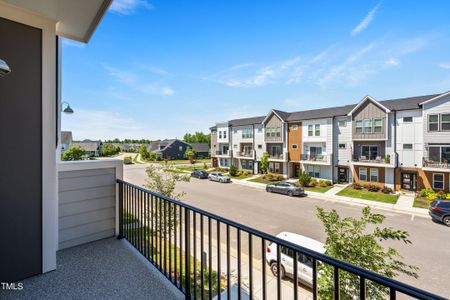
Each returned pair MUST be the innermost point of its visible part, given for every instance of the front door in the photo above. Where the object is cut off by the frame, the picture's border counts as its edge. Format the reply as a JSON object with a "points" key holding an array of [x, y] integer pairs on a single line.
{"points": [[409, 181], [296, 170], [343, 175]]}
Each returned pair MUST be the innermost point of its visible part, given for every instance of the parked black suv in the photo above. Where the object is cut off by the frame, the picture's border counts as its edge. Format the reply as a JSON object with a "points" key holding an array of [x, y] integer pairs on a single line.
{"points": [[440, 211], [200, 174]]}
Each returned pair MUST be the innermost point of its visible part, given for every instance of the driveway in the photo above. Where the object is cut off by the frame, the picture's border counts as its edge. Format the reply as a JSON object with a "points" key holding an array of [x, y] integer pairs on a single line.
{"points": [[273, 213]]}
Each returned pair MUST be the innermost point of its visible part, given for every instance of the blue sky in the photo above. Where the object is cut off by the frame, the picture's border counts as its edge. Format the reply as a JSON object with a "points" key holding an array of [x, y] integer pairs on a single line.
{"points": [[159, 69]]}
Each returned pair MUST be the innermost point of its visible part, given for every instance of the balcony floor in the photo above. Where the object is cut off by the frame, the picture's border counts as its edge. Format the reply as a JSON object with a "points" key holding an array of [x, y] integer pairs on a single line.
{"points": [[105, 269]]}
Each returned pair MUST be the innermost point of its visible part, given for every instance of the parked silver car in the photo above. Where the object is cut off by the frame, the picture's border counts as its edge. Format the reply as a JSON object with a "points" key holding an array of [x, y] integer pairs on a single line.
{"points": [[219, 177], [285, 188]]}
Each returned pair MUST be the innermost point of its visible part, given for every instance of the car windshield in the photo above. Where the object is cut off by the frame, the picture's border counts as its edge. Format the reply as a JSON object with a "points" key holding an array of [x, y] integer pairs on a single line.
{"points": [[219, 174]]}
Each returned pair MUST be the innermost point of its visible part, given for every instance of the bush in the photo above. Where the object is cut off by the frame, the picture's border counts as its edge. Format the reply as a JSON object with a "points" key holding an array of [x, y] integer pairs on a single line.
{"points": [[280, 177], [245, 173], [205, 166], [233, 170], [448, 196], [432, 197], [313, 182], [357, 186], [304, 178], [127, 160], [386, 190], [322, 183], [269, 176], [74, 153], [373, 188], [441, 195], [328, 182], [426, 192], [365, 186]]}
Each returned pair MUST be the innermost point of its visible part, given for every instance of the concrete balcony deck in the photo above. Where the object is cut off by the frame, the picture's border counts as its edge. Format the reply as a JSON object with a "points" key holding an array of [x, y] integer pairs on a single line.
{"points": [[105, 269]]}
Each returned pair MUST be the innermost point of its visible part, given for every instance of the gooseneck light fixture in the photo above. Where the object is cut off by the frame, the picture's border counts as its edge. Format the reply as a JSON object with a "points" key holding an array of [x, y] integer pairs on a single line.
{"points": [[67, 109]]}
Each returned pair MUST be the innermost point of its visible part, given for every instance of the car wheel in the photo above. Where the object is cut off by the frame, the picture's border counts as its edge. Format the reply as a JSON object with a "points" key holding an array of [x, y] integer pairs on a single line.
{"points": [[274, 269], [220, 180], [446, 220], [290, 194]]}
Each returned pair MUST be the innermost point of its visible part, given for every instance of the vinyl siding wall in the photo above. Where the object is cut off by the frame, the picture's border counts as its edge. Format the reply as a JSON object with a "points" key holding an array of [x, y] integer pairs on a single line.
{"points": [[87, 203], [369, 110], [274, 121], [259, 140], [439, 106], [343, 135], [410, 133]]}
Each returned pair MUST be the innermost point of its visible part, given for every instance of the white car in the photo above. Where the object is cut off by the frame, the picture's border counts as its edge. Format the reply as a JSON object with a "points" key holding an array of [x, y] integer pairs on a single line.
{"points": [[304, 263], [216, 176]]}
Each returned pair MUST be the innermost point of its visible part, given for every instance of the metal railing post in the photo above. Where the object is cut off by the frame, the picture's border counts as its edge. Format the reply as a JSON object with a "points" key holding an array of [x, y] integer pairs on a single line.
{"points": [[121, 213], [187, 253]]}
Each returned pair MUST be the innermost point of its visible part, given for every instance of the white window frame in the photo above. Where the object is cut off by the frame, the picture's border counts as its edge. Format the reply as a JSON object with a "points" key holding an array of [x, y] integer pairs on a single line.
{"points": [[365, 171], [310, 130], [317, 129], [224, 134], [342, 123], [429, 123], [443, 122], [359, 122], [377, 175], [404, 121], [366, 127], [443, 181], [345, 146], [220, 134], [374, 126]]}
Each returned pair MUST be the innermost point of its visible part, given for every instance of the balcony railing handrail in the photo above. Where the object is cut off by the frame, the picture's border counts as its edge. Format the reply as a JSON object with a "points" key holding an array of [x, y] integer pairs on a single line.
{"points": [[315, 157], [392, 284]]}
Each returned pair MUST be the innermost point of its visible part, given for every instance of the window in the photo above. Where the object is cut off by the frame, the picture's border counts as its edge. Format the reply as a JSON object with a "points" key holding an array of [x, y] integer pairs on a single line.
{"points": [[407, 146], [224, 134], [342, 123], [374, 174], [247, 133], [342, 146], [259, 129], [180, 148], [377, 125], [220, 134], [367, 124], [313, 171], [317, 130], [445, 122], [235, 146], [310, 130], [369, 152], [438, 181], [235, 131], [294, 127], [407, 119], [363, 174], [278, 131], [294, 146], [359, 126], [433, 122], [259, 146], [274, 167]]}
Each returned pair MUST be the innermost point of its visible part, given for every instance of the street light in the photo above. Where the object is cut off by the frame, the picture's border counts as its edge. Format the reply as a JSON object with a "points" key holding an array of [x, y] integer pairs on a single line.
{"points": [[68, 109]]}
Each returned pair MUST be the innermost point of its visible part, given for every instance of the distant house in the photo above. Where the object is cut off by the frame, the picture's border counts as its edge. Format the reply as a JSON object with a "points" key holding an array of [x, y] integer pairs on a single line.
{"points": [[169, 148], [66, 140], [202, 149], [93, 148]]}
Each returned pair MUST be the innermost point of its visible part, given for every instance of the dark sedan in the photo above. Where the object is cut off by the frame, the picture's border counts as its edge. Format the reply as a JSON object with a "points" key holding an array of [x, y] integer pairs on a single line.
{"points": [[440, 211], [285, 188], [200, 174]]}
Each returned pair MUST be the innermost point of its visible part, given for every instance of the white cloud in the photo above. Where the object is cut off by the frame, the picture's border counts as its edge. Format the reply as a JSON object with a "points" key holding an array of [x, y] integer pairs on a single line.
{"points": [[444, 66], [154, 70], [70, 43], [167, 91], [121, 75], [366, 21], [127, 7], [102, 124], [392, 62]]}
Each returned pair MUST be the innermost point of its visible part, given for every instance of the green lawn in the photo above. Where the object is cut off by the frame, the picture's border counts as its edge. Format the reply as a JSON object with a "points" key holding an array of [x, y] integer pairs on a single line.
{"points": [[264, 181], [184, 161], [318, 189], [175, 171], [421, 202], [241, 176], [366, 195], [192, 168]]}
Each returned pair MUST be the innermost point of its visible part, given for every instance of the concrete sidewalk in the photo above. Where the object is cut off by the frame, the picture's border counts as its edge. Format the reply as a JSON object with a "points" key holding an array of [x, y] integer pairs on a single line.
{"points": [[403, 205]]}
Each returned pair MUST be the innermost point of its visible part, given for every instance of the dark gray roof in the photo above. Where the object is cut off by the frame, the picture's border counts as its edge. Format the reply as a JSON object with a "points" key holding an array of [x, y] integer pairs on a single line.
{"points": [[88, 145], [283, 115], [158, 145], [246, 121], [406, 103], [66, 137], [200, 147], [320, 113]]}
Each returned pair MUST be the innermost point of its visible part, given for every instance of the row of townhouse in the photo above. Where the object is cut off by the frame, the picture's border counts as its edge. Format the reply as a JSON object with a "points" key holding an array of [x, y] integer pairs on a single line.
{"points": [[401, 143]]}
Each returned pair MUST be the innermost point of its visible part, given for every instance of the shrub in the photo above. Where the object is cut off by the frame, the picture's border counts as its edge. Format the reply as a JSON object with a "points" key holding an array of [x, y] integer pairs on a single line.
{"points": [[279, 177], [431, 197], [357, 186], [245, 173], [365, 186], [448, 196], [127, 160], [328, 182], [426, 192], [322, 183], [304, 178], [441, 195], [373, 188], [269, 176], [386, 190], [74, 153], [205, 166], [313, 182]]}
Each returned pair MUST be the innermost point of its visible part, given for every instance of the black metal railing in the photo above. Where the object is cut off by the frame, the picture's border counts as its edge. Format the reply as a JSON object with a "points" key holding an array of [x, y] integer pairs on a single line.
{"points": [[206, 256], [436, 163]]}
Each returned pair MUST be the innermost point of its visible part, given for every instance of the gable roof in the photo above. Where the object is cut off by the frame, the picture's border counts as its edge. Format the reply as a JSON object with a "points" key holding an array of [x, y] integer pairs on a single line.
{"points": [[320, 113], [368, 98], [282, 115], [155, 146], [200, 147], [88, 145], [435, 97]]}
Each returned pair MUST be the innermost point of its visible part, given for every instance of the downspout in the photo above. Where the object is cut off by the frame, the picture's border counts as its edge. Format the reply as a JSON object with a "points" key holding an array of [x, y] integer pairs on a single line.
{"points": [[254, 148], [395, 150]]}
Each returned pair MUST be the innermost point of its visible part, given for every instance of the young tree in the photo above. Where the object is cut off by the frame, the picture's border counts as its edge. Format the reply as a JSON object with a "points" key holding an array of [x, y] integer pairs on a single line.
{"points": [[233, 170], [304, 178], [191, 154], [265, 163], [359, 242], [145, 155], [74, 153], [162, 181], [110, 149]]}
